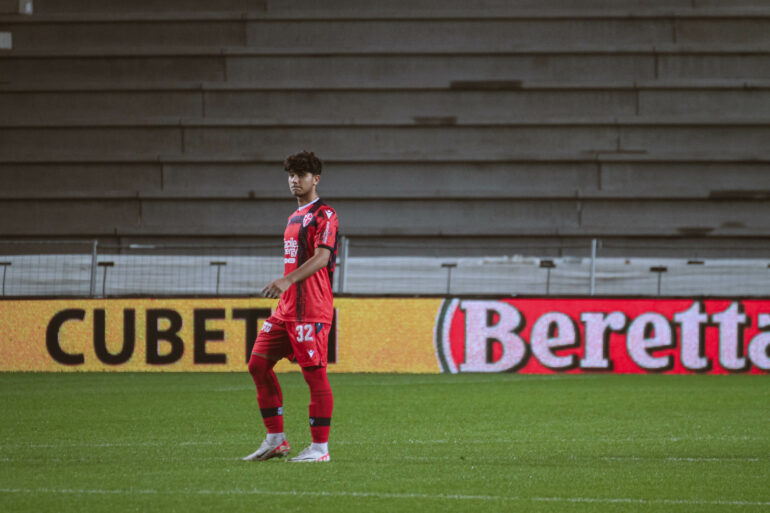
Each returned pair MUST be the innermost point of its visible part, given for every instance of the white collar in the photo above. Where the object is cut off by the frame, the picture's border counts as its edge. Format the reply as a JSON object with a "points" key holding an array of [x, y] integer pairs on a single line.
{"points": [[303, 207]]}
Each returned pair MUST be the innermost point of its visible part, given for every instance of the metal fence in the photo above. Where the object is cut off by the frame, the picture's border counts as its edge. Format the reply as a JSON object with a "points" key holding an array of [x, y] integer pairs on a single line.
{"points": [[90, 269]]}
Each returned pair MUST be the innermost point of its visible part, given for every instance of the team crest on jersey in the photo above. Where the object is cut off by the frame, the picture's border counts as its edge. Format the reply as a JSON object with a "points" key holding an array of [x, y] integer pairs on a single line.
{"points": [[306, 220], [266, 327]]}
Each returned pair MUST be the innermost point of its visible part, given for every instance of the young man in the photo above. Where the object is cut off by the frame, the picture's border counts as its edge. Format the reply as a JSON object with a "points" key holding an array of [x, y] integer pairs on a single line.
{"points": [[299, 327]]}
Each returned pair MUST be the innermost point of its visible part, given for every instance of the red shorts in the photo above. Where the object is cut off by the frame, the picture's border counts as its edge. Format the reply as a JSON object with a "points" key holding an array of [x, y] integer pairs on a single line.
{"points": [[305, 342]]}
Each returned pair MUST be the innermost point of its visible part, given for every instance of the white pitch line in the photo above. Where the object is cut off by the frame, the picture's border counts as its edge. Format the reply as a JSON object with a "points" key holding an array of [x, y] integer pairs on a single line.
{"points": [[693, 459], [386, 495], [552, 440], [442, 441], [109, 444], [447, 458]]}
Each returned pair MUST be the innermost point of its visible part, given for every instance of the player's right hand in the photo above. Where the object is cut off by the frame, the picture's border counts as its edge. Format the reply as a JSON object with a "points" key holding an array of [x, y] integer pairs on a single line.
{"points": [[276, 288]]}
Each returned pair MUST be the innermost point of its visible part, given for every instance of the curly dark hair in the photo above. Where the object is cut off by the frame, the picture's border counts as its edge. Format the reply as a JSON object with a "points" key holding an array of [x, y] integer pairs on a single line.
{"points": [[303, 162]]}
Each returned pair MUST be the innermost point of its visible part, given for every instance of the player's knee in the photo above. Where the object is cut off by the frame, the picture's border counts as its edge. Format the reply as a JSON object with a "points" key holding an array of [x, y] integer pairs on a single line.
{"points": [[259, 365], [317, 380]]}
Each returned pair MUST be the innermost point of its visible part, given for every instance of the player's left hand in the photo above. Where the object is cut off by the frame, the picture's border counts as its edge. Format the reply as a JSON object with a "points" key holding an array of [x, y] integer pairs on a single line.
{"points": [[276, 288]]}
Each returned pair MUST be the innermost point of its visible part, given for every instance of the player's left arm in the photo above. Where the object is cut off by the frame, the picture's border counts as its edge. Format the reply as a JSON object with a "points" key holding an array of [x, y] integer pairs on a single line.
{"points": [[313, 265]]}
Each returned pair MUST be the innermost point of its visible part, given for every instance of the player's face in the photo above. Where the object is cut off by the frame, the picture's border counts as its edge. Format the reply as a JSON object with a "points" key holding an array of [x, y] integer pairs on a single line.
{"points": [[302, 184]]}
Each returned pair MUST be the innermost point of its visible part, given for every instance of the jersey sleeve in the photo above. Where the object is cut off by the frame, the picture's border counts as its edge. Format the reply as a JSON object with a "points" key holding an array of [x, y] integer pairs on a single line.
{"points": [[326, 232]]}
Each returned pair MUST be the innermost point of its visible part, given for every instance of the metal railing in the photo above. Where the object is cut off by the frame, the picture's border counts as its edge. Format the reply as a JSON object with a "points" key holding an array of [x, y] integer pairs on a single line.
{"points": [[91, 269]]}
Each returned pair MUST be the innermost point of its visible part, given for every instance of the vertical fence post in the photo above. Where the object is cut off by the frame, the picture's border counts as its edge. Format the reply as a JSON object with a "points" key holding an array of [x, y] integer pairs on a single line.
{"points": [[5, 269], [343, 279], [105, 265], [592, 288], [449, 266], [218, 265], [659, 270], [547, 265], [94, 252]]}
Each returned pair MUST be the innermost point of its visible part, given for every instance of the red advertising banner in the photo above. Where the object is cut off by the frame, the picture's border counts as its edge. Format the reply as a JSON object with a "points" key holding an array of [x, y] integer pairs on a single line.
{"points": [[633, 336]]}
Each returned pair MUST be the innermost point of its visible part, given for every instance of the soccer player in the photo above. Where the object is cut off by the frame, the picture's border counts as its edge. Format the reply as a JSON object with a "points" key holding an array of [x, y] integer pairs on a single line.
{"points": [[299, 327]]}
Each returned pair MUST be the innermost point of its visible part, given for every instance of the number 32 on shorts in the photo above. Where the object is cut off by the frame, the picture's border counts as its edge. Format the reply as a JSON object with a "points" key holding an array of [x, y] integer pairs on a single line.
{"points": [[304, 332]]}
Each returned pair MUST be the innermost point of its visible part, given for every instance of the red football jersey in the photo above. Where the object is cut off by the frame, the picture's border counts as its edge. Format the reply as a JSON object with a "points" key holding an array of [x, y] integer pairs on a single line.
{"points": [[311, 226]]}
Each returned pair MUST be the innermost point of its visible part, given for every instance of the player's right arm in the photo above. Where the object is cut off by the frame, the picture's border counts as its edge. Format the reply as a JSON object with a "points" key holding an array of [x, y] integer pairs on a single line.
{"points": [[314, 264]]}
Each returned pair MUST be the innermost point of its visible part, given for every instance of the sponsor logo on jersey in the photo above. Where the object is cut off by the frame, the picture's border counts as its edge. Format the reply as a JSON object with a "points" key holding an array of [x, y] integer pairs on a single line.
{"points": [[328, 213], [311, 353], [307, 220], [290, 249]]}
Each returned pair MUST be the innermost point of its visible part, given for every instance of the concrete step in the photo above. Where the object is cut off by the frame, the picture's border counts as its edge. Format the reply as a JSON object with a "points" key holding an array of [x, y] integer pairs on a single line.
{"points": [[748, 103], [9, 7], [479, 141], [536, 5], [102, 106], [332, 105], [696, 67], [694, 85], [468, 141], [401, 217], [112, 69], [392, 71], [82, 141], [121, 6], [436, 13], [510, 35], [396, 35], [102, 36], [532, 49], [351, 6], [385, 106], [471, 142], [441, 71], [386, 157], [260, 123], [484, 180]]}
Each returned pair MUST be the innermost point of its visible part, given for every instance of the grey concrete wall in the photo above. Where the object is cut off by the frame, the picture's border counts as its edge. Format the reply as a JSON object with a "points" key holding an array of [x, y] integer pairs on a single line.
{"points": [[9, 6], [392, 180], [144, 6], [389, 218], [111, 69], [529, 127], [473, 142]]}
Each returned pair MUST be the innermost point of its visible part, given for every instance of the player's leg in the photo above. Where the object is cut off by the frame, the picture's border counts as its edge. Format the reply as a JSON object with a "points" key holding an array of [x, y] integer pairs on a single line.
{"points": [[311, 355], [320, 413], [271, 345]]}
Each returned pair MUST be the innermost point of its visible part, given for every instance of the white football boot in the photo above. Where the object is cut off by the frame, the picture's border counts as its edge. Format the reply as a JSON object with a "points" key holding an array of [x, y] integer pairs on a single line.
{"points": [[269, 449], [313, 453]]}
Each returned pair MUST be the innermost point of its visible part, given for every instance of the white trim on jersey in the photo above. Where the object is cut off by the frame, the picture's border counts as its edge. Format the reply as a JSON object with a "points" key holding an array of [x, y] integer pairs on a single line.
{"points": [[303, 207]]}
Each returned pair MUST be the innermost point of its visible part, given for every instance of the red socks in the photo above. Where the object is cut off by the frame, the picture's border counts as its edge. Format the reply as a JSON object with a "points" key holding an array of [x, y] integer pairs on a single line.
{"points": [[269, 396], [321, 403]]}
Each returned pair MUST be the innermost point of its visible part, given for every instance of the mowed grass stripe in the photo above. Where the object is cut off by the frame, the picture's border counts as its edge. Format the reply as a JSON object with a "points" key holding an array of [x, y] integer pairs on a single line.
{"points": [[378, 495], [675, 440], [596, 443]]}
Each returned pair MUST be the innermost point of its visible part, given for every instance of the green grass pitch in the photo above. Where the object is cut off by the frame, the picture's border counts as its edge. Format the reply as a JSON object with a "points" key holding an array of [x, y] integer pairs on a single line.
{"points": [[504, 442]]}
